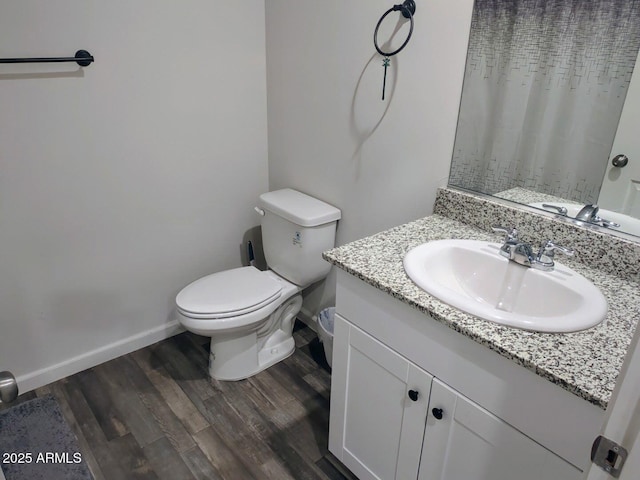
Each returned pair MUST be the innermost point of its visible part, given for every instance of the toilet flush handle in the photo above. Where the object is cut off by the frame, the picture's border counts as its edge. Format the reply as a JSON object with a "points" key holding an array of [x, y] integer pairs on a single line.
{"points": [[259, 211]]}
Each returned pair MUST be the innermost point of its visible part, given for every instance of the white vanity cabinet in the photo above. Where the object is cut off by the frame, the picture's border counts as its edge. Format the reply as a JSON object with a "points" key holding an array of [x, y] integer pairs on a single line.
{"points": [[379, 411], [468, 442], [413, 399]]}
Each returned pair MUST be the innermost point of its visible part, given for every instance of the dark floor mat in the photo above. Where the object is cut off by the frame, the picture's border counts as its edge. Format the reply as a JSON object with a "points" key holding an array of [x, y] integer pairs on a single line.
{"points": [[37, 443]]}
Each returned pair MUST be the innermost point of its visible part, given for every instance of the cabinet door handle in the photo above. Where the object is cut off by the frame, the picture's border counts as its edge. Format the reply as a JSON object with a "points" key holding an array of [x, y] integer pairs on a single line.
{"points": [[437, 412], [413, 395]]}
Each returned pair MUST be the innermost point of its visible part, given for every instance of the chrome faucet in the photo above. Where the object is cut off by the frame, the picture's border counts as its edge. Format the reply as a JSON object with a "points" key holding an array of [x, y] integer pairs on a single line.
{"points": [[522, 253], [589, 214], [512, 248]]}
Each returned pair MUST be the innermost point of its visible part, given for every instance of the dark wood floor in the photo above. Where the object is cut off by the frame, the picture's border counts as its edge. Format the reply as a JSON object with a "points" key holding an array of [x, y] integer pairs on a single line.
{"points": [[156, 414]]}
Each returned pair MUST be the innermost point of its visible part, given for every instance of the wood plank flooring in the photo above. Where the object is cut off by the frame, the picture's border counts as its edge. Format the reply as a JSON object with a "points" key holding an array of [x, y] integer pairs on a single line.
{"points": [[156, 414]]}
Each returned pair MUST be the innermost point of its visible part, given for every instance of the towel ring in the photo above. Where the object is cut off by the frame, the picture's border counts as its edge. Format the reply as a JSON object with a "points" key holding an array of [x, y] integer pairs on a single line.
{"points": [[408, 9]]}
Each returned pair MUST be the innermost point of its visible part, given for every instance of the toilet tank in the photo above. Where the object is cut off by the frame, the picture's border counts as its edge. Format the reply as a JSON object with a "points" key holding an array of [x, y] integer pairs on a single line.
{"points": [[296, 229]]}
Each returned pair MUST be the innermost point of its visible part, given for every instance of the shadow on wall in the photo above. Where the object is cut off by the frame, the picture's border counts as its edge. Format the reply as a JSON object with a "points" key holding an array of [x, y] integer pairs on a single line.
{"points": [[368, 108], [364, 120], [253, 235], [19, 71]]}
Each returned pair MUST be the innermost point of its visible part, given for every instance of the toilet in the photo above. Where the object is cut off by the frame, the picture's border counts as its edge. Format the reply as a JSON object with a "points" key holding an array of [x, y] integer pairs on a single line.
{"points": [[249, 313]]}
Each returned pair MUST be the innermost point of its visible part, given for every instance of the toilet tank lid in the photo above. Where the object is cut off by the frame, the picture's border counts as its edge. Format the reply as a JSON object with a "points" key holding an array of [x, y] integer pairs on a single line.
{"points": [[299, 208]]}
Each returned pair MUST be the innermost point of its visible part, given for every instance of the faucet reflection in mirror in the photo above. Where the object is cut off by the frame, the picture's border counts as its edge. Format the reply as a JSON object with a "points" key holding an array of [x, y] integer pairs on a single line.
{"points": [[544, 87]]}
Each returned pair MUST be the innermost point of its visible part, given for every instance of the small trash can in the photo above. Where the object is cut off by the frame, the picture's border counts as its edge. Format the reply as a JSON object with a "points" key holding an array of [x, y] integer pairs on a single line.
{"points": [[325, 332]]}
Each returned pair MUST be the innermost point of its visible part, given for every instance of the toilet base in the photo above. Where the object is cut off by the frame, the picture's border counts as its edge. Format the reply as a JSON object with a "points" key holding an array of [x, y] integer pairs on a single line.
{"points": [[238, 368], [239, 356]]}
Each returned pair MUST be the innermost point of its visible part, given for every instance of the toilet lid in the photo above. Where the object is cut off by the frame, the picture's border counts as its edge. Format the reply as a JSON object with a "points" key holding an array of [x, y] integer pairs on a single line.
{"points": [[237, 291]]}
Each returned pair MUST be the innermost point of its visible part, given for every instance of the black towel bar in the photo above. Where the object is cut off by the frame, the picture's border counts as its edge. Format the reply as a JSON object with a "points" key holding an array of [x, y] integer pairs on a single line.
{"points": [[82, 58]]}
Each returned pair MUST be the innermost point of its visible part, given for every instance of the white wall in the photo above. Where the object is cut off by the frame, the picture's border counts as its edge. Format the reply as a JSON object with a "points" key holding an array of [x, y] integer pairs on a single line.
{"points": [[324, 84], [124, 181]]}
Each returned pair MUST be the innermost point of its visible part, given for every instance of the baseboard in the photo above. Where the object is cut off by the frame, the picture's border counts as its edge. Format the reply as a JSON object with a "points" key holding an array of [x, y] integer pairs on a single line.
{"points": [[39, 378]]}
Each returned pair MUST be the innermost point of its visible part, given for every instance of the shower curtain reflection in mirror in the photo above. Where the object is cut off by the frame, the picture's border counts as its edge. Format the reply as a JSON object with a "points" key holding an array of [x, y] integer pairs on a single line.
{"points": [[544, 87]]}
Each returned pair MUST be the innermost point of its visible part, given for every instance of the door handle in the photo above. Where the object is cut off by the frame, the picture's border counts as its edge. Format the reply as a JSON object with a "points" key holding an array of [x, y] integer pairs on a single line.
{"points": [[620, 161], [8, 387]]}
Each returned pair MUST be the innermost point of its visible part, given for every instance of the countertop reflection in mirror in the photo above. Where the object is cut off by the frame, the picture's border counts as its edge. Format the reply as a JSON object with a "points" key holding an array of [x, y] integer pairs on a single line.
{"points": [[609, 221]]}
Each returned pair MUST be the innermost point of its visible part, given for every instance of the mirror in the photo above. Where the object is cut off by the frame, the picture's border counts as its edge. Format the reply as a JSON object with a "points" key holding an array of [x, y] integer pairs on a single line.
{"points": [[545, 84]]}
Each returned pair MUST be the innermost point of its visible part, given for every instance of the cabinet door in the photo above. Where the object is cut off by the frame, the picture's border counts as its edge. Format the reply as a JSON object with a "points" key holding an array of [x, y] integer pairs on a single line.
{"points": [[376, 427], [468, 442]]}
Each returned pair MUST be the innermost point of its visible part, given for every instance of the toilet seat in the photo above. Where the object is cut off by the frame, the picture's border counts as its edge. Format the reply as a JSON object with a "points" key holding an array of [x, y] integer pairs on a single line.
{"points": [[230, 293]]}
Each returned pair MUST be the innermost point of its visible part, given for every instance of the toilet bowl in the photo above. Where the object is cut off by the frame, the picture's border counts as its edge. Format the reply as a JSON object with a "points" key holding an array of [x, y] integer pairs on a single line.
{"points": [[249, 313]]}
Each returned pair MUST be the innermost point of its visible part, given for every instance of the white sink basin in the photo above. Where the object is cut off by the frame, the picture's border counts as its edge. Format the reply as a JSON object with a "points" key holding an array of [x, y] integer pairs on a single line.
{"points": [[627, 224], [472, 276]]}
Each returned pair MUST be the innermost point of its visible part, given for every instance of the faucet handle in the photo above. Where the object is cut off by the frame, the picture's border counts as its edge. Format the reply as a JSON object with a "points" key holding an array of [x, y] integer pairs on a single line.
{"points": [[560, 210], [549, 248], [510, 234], [544, 259]]}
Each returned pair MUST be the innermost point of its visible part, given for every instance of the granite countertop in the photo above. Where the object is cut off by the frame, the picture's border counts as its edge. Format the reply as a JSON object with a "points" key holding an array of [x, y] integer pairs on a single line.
{"points": [[585, 363], [525, 196]]}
